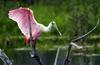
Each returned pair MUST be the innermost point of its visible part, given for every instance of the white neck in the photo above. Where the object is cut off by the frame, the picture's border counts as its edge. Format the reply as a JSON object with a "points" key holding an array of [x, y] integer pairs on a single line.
{"points": [[45, 28], [36, 22]]}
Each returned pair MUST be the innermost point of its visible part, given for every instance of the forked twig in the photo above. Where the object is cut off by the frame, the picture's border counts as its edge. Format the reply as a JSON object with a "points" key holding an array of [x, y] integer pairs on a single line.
{"points": [[67, 59]]}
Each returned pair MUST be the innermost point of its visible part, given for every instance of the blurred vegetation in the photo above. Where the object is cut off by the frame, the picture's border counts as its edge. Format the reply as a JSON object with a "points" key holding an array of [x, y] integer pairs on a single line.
{"points": [[73, 17]]}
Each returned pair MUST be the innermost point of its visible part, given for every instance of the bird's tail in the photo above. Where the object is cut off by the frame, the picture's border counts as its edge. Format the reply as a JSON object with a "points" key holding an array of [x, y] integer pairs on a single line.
{"points": [[27, 40]]}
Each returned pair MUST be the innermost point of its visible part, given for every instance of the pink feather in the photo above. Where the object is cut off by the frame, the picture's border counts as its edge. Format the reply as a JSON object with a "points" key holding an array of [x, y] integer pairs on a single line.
{"points": [[21, 16]]}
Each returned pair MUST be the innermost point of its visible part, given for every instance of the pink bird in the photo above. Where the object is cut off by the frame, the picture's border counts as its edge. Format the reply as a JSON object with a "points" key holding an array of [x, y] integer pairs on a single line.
{"points": [[28, 25]]}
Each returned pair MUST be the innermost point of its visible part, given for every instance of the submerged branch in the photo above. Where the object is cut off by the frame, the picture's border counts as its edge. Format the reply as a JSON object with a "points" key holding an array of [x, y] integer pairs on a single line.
{"points": [[5, 58]]}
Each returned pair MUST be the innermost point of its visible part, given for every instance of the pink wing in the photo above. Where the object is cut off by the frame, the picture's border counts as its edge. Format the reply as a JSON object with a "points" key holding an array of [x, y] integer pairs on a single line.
{"points": [[21, 16]]}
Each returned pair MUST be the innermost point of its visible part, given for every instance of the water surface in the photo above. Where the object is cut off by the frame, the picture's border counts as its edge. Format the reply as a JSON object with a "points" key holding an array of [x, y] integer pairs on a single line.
{"points": [[23, 58]]}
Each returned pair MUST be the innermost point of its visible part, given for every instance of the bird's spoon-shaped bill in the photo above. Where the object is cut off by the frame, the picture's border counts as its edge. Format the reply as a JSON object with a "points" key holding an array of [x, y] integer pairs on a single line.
{"points": [[55, 26]]}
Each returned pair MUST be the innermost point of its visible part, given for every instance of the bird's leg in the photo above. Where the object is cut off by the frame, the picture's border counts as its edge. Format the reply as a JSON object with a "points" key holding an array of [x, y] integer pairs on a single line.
{"points": [[32, 44], [34, 54], [33, 51]]}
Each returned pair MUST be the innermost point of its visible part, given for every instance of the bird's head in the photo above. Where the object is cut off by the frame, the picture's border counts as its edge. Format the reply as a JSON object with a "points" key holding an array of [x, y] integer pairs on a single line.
{"points": [[56, 27]]}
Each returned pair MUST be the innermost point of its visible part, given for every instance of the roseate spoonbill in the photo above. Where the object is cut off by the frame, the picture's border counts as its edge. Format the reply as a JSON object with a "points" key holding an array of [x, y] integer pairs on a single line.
{"points": [[29, 26]]}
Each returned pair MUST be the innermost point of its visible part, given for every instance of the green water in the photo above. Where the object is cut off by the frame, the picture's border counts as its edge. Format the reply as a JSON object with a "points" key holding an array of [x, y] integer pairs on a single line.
{"points": [[48, 57]]}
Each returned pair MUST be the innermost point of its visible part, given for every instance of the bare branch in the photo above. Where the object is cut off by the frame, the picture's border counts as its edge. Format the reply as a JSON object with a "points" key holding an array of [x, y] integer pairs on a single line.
{"points": [[83, 36]]}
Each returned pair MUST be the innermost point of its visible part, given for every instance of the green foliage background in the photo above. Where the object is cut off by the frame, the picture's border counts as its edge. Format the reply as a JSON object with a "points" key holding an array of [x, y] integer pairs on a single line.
{"points": [[73, 17]]}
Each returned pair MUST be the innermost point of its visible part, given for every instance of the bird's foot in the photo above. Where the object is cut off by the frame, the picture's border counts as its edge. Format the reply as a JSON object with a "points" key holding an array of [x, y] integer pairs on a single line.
{"points": [[32, 54]]}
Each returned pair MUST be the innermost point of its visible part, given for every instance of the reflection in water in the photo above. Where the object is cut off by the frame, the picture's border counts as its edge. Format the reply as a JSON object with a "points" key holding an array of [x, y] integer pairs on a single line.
{"points": [[48, 57], [91, 61], [81, 60]]}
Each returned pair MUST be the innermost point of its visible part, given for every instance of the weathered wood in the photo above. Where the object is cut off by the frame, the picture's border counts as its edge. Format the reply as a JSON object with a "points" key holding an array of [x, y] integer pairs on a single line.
{"points": [[5, 58]]}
